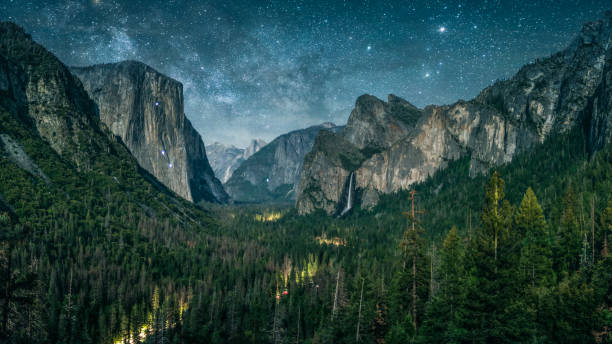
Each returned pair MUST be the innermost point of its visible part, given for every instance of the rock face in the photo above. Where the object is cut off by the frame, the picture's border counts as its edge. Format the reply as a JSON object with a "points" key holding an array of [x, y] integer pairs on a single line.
{"points": [[391, 145], [15, 153], [224, 160], [272, 174], [37, 88], [35, 85], [52, 143], [145, 109]]}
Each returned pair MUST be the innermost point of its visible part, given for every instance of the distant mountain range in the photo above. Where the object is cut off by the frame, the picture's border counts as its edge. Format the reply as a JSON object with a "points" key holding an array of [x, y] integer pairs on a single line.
{"points": [[385, 147], [272, 173], [224, 159]]}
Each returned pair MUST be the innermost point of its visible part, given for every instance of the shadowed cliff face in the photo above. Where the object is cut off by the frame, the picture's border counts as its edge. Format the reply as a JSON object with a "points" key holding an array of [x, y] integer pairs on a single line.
{"points": [[392, 145], [38, 87], [50, 130], [272, 174], [145, 109]]}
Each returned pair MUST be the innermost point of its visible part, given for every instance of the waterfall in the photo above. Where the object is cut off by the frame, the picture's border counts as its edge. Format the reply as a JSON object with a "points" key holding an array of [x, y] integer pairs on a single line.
{"points": [[349, 199]]}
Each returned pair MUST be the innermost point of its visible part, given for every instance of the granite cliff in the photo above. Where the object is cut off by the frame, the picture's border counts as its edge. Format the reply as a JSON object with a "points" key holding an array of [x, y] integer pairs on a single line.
{"points": [[224, 159], [273, 173], [145, 109], [391, 145], [55, 152]]}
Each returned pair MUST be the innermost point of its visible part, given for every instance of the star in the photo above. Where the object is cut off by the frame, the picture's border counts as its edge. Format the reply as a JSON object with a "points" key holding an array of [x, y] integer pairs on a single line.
{"points": [[295, 64]]}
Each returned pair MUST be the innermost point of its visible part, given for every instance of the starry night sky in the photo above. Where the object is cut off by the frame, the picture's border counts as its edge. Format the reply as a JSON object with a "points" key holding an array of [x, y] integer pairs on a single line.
{"points": [[257, 69]]}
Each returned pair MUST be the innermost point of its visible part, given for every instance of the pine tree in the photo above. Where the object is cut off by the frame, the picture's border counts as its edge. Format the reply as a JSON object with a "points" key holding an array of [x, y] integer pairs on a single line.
{"points": [[8, 222], [496, 218], [535, 261], [602, 280], [444, 311], [606, 228], [410, 284], [568, 245], [493, 312], [602, 286], [16, 285], [536, 253], [571, 314]]}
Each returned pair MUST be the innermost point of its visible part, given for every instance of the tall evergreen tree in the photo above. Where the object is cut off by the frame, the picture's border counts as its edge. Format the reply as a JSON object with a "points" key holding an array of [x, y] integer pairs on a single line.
{"points": [[17, 284], [444, 311], [536, 253], [536, 269], [602, 280], [606, 228], [410, 284], [568, 244], [493, 313]]}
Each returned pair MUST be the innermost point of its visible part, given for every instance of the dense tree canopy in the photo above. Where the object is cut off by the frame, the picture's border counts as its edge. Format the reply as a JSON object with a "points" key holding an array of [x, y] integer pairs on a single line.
{"points": [[89, 260]]}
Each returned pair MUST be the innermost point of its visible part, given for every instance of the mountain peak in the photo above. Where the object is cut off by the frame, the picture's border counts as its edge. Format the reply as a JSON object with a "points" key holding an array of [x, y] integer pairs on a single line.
{"points": [[10, 29], [328, 125], [597, 32], [145, 108], [367, 100], [405, 145], [60, 109], [225, 159], [254, 147], [273, 172], [393, 99]]}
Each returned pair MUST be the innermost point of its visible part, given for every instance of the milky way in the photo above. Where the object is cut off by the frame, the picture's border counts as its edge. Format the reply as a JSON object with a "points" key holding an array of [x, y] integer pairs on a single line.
{"points": [[257, 69]]}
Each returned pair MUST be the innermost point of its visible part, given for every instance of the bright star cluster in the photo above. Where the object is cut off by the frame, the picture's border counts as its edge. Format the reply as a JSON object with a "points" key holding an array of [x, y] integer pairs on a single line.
{"points": [[257, 69]]}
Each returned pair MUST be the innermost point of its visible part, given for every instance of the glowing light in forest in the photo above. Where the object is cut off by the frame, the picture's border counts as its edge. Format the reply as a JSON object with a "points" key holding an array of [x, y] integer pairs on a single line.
{"points": [[268, 217], [324, 240]]}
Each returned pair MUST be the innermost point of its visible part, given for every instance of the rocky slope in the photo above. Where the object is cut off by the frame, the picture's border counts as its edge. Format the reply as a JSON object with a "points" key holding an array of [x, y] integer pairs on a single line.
{"points": [[145, 109], [55, 151], [78, 203], [272, 174], [391, 145], [224, 160], [37, 88]]}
